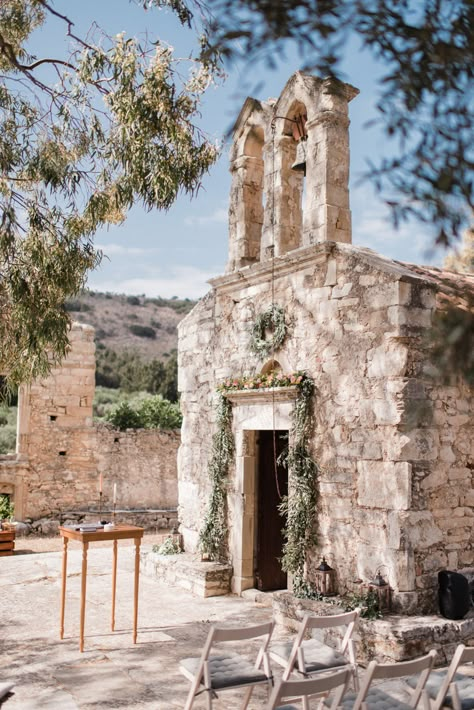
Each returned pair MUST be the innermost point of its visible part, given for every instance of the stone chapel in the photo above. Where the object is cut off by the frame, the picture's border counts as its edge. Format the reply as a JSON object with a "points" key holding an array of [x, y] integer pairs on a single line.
{"points": [[395, 443]]}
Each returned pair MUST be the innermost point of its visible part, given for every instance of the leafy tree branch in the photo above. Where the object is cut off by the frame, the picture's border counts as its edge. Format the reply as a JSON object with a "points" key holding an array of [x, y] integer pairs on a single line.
{"points": [[83, 137]]}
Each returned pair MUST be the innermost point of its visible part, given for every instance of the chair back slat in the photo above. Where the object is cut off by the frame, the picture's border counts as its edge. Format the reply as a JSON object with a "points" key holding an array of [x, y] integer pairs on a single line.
{"points": [[240, 634], [287, 689], [421, 666], [397, 670], [328, 622], [462, 654]]}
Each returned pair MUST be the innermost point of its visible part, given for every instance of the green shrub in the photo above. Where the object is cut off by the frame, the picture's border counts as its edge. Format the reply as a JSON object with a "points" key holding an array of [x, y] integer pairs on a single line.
{"points": [[123, 416], [142, 331], [144, 412], [106, 398], [8, 439], [133, 300], [7, 429], [6, 507], [77, 305], [159, 413]]}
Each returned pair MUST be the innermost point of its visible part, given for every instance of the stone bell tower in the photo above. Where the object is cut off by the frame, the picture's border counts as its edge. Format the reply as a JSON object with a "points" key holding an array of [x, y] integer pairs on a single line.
{"points": [[274, 208]]}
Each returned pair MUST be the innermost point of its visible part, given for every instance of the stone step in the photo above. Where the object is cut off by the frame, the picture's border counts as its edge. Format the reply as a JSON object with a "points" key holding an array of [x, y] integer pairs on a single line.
{"points": [[258, 597], [186, 570], [390, 639]]}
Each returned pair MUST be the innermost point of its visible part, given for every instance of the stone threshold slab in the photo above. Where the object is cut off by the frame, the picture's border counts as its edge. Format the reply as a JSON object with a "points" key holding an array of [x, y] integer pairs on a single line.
{"points": [[186, 570]]}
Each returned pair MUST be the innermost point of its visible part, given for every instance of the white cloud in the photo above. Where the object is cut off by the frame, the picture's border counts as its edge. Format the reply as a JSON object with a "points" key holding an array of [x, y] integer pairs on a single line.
{"points": [[219, 216], [373, 228], [181, 281], [120, 250]]}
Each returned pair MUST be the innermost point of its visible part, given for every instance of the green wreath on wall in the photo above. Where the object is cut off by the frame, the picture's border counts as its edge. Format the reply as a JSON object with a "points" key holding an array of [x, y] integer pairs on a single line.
{"points": [[273, 319]]}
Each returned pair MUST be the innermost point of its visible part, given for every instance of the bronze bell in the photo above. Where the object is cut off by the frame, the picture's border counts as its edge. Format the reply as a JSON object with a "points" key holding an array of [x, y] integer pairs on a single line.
{"points": [[300, 160]]}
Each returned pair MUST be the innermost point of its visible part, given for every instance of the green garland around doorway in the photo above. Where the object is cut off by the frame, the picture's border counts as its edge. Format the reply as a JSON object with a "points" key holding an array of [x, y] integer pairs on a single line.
{"points": [[300, 508], [272, 319], [213, 535]]}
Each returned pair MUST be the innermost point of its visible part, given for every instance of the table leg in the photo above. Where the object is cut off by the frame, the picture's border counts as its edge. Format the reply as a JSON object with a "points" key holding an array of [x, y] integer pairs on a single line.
{"points": [[114, 583], [135, 597], [63, 588], [85, 546]]}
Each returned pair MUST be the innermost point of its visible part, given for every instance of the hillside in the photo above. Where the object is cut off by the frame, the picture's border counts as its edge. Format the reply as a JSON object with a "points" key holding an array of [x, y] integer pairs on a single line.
{"points": [[145, 325]]}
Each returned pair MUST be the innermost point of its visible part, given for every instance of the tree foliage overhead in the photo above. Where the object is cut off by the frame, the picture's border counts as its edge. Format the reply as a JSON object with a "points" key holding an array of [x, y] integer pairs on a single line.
{"points": [[426, 98], [106, 123]]}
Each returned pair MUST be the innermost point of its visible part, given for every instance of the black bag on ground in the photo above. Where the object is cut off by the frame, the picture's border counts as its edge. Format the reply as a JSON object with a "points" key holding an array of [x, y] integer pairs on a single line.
{"points": [[453, 594]]}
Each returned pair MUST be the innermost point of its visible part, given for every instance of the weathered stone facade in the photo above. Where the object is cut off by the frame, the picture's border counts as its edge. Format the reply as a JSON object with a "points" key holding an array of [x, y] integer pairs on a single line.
{"points": [[395, 446], [61, 452]]}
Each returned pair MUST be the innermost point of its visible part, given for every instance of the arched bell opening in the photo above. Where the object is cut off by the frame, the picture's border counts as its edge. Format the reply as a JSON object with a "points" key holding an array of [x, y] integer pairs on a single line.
{"points": [[293, 173], [253, 193]]}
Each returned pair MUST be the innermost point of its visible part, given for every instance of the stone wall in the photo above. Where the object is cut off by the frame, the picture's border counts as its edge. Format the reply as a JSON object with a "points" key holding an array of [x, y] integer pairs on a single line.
{"points": [[394, 447], [61, 452], [442, 521]]}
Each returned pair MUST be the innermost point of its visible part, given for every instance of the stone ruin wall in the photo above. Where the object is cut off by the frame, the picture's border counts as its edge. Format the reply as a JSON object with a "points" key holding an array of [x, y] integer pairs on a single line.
{"points": [[395, 448], [61, 451]]}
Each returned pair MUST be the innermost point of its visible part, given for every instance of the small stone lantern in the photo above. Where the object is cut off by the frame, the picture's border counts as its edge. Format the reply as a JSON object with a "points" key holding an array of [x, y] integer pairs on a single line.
{"points": [[383, 591], [325, 579]]}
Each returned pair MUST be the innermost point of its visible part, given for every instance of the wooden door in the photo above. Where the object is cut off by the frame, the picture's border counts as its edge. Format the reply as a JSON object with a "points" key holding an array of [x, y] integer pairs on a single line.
{"points": [[272, 486]]}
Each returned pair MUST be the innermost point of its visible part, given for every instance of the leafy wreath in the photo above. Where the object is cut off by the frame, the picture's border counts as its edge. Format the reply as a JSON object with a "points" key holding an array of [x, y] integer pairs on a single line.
{"points": [[272, 319]]}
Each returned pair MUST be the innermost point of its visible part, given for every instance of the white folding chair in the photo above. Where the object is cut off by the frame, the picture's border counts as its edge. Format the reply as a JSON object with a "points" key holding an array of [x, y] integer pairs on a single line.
{"points": [[376, 696], [313, 656], [305, 689], [213, 672], [447, 687]]}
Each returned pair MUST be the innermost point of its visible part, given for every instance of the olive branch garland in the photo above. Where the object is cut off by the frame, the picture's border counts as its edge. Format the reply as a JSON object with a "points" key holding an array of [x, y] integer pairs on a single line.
{"points": [[299, 509], [272, 319], [213, 534]]}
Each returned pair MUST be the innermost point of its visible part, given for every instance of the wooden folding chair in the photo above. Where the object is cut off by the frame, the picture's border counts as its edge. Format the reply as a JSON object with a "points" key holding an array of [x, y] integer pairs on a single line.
{"points": [[313, 656], [310, 687], [213, 672], [374, 697], [447, 687]]}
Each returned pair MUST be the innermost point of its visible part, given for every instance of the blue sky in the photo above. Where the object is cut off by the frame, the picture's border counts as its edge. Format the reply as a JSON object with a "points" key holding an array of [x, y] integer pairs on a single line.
{"points": [[174, 254]]}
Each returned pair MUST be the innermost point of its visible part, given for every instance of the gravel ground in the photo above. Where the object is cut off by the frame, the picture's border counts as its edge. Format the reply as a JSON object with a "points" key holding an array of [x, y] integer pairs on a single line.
{"points": [[39, 543]]}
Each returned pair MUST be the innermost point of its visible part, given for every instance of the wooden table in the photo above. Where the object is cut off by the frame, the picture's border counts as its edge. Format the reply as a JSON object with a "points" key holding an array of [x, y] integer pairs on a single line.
{"points": [[120, 532]]}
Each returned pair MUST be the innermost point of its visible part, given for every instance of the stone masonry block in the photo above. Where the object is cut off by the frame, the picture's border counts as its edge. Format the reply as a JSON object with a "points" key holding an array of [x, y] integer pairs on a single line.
{"points": [[331, 273], [421, 530], [414, 317], [388, 360], [384, 484]]}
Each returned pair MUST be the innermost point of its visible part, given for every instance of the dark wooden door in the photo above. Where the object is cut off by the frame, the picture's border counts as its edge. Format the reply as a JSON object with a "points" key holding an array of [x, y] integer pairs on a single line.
{"points": [[272, 486]]}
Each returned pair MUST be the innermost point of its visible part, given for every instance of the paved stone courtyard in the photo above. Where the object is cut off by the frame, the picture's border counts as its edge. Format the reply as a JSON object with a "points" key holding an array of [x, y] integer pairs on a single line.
{"points": [[111, 673]]}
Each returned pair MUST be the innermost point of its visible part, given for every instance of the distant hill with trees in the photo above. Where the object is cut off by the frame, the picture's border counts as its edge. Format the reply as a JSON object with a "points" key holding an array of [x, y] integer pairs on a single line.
{"points": [[136, 339]]}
